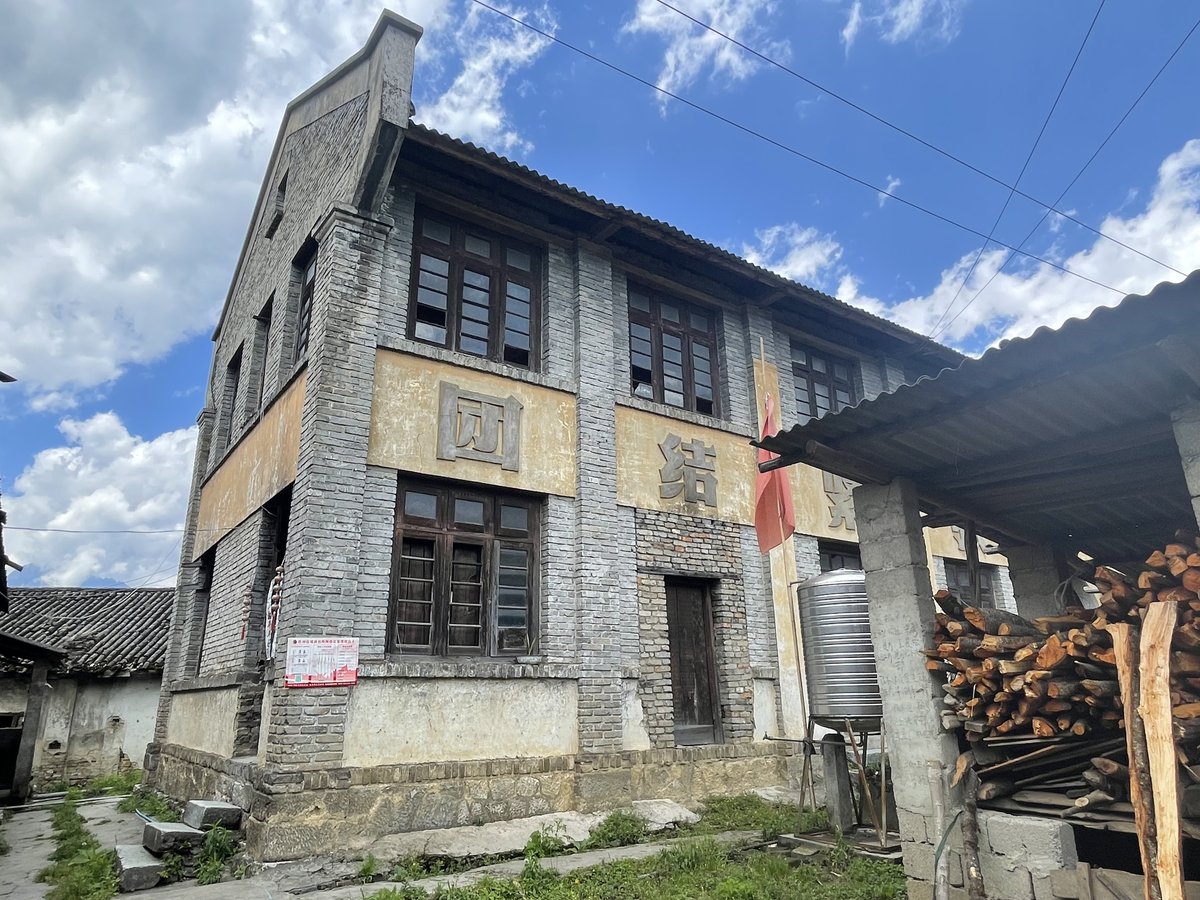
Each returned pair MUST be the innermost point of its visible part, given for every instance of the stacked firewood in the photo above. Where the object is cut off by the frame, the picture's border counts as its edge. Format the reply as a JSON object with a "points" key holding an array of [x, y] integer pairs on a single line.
{"points": [[1056, 675]]}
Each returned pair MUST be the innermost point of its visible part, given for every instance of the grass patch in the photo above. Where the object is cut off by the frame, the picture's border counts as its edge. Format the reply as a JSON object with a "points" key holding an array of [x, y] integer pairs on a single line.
{"points": [[749, 812], [619, 828], [79, 869], [696, 870], [218, 849], [107, 785], [150, 803]]}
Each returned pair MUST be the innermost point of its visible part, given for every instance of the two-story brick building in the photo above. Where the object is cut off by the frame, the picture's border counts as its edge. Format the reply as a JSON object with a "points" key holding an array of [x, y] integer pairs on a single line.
{"points": [[496, 430]]}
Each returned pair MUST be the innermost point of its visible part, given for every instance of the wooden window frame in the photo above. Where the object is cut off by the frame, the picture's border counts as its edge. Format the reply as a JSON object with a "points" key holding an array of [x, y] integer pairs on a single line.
{"points": [[306, 265], [806, 376], [987, 581], [500, 275], [687, 334], [445, 534]]}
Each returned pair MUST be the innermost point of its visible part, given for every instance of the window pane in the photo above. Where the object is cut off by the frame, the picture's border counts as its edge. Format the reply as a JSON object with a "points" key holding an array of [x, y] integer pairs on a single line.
{"points": [[518, 291], [672, 399], [433, 281], [413, 611], [705, 405], [468, 512], [479, 246], [669, 312], [519, 259], [639, 331], [639, 301], [473, 345], [698, 320], [432, 300], [672, 356], [438, 231], [433, 334], [434, 264], [514, 518], [475, 295], [476, 279], [516, 340], [840, 372], [672, 341], [817, 364], [475, 329], [700, 352], [799, 356], [420, 506]]}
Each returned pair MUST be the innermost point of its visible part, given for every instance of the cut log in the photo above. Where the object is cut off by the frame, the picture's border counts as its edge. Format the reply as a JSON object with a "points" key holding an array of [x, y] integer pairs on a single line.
{"points": [[1153, 581], [1043, 727], [991, 790], [1051, 624], [1177, 594], [1177, 549], [1094, 799], [1157, 561]]}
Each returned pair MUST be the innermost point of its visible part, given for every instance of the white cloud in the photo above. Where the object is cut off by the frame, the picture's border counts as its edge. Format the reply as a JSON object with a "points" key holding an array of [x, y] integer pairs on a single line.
{"points": [[102, 478], [892, 183], [897, 21], [127, 177], [853, 24], [795, 252], [691, 49], [493, 48]]}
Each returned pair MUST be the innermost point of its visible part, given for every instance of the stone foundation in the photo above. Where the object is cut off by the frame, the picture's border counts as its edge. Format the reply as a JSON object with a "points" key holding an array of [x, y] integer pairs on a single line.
{"points": [[295, 814]]}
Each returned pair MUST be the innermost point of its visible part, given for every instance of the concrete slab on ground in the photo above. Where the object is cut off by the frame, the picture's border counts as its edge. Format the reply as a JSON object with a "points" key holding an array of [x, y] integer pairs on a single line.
{"points": [[137, 868], [110, 825], [28, 833], [207, 813]]}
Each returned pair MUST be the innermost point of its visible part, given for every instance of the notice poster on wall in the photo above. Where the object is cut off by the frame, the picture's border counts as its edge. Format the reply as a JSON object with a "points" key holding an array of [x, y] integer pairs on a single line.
{"points": [[321, 662]]}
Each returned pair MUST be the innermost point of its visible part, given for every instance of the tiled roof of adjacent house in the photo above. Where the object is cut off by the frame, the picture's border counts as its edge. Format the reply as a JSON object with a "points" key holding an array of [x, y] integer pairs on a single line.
{"points": [[103, 630]]}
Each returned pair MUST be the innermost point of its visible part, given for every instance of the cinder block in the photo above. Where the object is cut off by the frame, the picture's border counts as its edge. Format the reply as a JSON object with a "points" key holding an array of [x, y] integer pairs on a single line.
{"points": [[207, 813], [173, 837], [137, 868]]}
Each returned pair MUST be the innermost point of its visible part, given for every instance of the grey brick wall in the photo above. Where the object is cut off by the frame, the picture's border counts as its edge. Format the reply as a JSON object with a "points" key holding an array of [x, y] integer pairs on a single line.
{"points": [[699, 548], [760, 605], [600, 558], [400, 204], [233, 632], [558, 612], [737, 356], [375, 561], [560, 330]]}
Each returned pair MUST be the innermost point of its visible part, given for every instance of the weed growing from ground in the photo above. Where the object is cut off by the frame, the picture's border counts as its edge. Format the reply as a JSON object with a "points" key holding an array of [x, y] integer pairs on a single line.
{"points": [[546, 841], [369, 869], [122, 783], [747, 812], [79, 868], [218, 848], [172, 868], [618, 829], [151, 803]]}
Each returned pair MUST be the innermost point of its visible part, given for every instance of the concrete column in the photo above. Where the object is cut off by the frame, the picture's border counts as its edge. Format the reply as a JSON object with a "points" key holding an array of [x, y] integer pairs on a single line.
{"points": [[31, 731], [898, 585], [1186, 422], [1035, 576]]}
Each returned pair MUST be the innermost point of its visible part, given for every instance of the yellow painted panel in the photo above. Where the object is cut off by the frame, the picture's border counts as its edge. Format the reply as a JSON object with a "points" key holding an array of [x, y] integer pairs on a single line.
{"points": [[404, 425], [261, 466], [640, 457]]}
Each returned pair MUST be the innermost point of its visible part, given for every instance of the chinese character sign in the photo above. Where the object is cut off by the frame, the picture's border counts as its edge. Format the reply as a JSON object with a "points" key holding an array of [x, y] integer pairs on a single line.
{"points": [[690, 470], [478, 426], [839, 493], [321, 662]]}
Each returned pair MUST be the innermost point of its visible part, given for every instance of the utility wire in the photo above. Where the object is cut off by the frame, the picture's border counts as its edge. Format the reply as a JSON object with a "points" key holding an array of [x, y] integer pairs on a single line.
{"points": [[745, 129], [94, 530], [1079, 174], [933, 332], [908, 134]]}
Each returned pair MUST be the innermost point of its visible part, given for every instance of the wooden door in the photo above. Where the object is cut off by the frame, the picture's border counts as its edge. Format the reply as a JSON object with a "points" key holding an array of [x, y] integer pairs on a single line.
{"points": [[693, 675]]}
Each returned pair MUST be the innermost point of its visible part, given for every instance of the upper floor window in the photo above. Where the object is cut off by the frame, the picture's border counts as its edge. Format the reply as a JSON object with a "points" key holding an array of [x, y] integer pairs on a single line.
{"points": [[463, 571], [839, 556], [673, 352], [823, 383], [474, 291], [307, 268], [233, 377]]}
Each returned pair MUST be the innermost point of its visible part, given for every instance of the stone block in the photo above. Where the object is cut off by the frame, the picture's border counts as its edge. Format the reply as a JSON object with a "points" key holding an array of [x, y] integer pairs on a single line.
{"points": [[661, 814], [137, 868], [207, 813], [173, 837]]}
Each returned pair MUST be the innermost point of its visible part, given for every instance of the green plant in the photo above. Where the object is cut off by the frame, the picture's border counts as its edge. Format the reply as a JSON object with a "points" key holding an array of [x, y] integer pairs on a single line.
{"points": [[173, 869], [369, 869], [546, 841], [79, 868], [618, 829], [745, 812], [209, 871], [812, 820], [150, 803], [218, 848], [241, 871], [122, 783]]}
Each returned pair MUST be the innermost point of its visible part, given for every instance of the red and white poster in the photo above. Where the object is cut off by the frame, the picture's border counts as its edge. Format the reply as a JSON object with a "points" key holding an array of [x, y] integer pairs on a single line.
{"points": [[321, 662]]}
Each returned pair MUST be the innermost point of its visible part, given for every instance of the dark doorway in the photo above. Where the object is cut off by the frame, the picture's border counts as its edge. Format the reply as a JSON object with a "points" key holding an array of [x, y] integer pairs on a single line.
{"points": [[693, 675]]}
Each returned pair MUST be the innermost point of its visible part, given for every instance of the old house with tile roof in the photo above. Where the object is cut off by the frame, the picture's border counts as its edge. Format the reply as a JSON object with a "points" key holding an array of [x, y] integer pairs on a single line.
{"points": [[471, 525], [98, 715]]}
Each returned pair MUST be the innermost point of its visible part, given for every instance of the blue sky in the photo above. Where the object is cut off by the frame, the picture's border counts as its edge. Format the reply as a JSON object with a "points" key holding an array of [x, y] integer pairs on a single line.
{"points": [[133, 136]]}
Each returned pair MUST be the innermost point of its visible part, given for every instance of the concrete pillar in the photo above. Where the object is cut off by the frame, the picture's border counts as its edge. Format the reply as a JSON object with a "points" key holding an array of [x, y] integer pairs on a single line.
{"points": [[839, 799], [1035, 576], [1186, 422], [30, 732], [899, 588]]}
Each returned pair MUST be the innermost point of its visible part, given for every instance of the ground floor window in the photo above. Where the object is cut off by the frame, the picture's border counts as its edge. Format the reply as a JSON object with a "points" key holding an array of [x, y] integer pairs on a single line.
{"points": [[463, 571], [958, 579]]}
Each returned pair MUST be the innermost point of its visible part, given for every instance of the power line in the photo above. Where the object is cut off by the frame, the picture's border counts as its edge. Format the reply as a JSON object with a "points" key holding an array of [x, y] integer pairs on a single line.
{"points": [[1079, 174], [920, 140], [95, 530], [745, 129], [1007, 200]]}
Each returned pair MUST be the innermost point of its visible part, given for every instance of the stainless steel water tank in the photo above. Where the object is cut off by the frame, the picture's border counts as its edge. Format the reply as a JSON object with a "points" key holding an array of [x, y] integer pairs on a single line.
{"points": [[838, 657]]}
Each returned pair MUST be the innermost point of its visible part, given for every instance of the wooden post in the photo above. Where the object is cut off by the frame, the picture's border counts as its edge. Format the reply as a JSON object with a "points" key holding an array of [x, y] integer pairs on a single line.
{"points": [[970, 836], [1154, 708], [31, 728], [1141, 795]]}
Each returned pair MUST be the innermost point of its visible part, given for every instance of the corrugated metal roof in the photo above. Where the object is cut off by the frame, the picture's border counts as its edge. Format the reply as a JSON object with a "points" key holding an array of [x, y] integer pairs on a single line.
{"points": [[101, 629], [1064, 435], [438, 140]]}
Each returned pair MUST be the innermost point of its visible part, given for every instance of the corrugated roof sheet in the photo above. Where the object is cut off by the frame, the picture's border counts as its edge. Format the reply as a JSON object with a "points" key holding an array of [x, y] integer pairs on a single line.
{"points": [[101, 629], [1065, 434]]}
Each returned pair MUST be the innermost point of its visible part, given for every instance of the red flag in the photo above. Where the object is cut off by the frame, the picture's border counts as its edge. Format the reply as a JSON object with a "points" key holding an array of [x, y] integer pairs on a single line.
{"points": [[774, 513]]}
